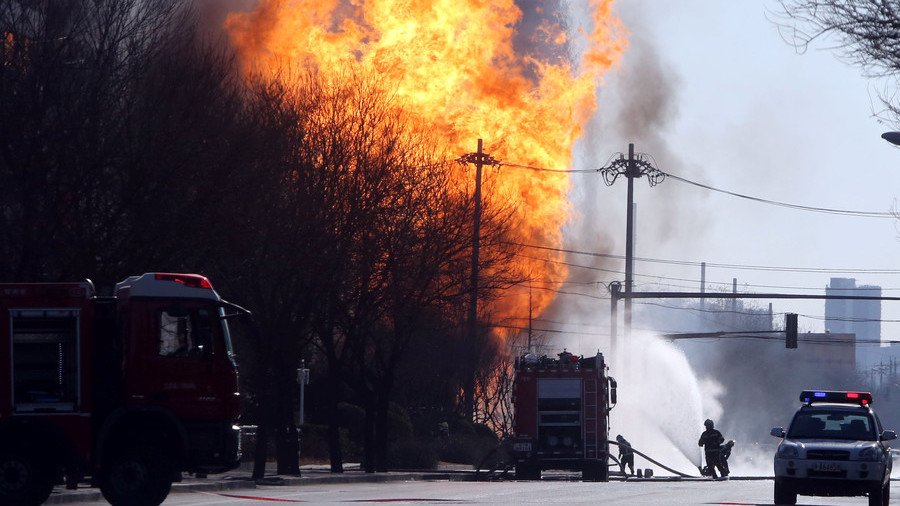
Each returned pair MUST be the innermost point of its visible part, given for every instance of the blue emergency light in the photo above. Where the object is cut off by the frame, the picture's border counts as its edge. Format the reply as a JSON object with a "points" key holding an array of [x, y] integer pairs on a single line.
{"points": [[811, 396]]}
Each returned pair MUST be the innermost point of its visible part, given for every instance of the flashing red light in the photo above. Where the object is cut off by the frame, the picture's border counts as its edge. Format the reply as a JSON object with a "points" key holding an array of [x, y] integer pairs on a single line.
{"points": [[189, 280], [852, 395]]}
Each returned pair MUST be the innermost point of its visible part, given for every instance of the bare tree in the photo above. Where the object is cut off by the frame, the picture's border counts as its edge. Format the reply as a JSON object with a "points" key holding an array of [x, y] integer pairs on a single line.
{"points": [[864, 33], [114, 113]]}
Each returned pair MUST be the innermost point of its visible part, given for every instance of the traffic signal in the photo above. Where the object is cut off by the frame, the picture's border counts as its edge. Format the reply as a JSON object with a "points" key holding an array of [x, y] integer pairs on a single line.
{"points": [[790, 330]]}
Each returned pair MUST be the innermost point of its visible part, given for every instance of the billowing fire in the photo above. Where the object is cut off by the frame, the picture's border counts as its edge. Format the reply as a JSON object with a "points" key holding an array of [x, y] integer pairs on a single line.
{"points": [[472, 69]]}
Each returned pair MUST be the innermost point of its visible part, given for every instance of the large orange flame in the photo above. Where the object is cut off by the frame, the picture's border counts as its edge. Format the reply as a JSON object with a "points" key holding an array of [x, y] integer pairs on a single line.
{"points": [[469, 69]]}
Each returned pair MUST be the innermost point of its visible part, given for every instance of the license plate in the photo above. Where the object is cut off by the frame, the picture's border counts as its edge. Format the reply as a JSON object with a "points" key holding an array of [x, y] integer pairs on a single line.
{"points": [[828, 467], [522, 447]]}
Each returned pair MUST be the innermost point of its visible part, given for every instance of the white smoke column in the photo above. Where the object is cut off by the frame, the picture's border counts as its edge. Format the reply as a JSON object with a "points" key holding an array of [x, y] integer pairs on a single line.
{"points": [[661, 405], [662, 401]]}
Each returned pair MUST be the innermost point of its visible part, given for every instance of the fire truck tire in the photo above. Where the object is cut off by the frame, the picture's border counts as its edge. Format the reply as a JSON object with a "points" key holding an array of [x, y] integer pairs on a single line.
{"points": [[594, 471], [784, 494], [25, 479], [139, 477], [528, 472]]}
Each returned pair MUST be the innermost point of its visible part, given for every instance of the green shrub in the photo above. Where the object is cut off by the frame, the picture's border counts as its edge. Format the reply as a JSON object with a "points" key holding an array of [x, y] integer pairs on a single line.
{"points": [[400, 426], [314, 443], [483, 431], [412, 454], [352, 418], [461, 426], [466, 448]]}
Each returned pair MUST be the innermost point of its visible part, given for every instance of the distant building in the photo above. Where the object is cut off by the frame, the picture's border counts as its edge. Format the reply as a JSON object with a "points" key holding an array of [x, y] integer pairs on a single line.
{"points": [[860, 317], [835, 353]]}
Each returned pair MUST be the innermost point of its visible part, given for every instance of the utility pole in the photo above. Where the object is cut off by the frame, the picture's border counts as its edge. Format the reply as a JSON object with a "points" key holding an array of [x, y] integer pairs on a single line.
{"points": [[631, 167], [702, 284], [529, 317], [478, 158], [614, 294]]}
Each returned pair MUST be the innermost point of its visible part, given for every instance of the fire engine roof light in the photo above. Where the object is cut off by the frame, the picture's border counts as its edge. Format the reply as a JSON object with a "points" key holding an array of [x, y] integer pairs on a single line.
{"points": [[190, 280], [811, 396]]}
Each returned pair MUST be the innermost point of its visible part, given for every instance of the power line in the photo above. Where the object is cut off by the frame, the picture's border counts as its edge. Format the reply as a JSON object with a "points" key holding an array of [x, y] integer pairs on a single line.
{"points": [[824, 210], [544, 169], [663, 277], [799, 207], [711, 264]]}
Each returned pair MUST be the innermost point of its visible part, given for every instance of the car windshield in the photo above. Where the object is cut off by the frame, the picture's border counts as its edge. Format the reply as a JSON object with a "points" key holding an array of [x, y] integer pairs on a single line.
{"points": [[832, 425]]}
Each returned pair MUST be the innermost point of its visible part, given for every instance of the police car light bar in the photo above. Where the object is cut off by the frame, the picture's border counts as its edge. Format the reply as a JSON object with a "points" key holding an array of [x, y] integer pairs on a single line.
{"points": [[811, 396]]}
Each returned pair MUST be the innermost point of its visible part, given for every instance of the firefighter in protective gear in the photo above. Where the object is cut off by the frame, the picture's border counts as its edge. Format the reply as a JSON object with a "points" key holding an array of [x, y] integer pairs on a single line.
{"points": [[712, 440], [626, 454], [723, 457]]}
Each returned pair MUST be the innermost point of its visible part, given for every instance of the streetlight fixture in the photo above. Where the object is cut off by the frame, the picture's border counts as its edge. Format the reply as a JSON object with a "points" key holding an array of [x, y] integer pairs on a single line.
{"points": [[892, 137]]}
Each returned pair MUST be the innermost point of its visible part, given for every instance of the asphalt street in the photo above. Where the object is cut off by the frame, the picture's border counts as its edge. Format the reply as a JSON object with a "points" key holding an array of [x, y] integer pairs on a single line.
{"points": [[734, 492]]}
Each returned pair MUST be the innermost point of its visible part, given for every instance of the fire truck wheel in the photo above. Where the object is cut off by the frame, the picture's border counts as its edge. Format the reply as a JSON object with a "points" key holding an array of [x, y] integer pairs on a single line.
{"points": [[24, 478], [141, 477], [528, 472], [594, 471]]}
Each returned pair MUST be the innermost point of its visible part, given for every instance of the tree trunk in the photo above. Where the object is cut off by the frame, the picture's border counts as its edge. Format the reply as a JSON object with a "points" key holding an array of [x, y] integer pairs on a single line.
{"points": [[288, 451], [287, 444], [264, 424], [369, 452], [334, 425], [382, 434], [262, 449]]}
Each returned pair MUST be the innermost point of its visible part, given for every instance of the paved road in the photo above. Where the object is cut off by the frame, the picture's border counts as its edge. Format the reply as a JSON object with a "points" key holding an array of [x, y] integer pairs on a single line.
{"points": [[755, 492]]}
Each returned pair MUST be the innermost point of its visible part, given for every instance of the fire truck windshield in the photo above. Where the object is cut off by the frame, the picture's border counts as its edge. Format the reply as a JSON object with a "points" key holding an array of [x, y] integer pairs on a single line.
{"points": [[226, 333]]}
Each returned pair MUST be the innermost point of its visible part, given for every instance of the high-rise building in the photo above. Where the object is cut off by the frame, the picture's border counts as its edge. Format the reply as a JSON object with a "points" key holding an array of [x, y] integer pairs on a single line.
{"points": [[860, 317]]}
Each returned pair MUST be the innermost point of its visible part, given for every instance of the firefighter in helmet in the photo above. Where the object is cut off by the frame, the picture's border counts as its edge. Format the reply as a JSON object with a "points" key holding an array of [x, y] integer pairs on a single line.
{"points": [[712, 440], [723, 457], [626, 454]]}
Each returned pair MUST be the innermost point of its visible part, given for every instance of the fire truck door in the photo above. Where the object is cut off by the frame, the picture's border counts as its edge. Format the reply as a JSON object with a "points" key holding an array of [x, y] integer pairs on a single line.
{"points": [[180, 366]]}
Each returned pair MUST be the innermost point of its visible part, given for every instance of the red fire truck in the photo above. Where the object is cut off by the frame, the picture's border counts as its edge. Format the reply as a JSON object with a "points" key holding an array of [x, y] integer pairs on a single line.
{"points": [[128, 390], [562, 415]]}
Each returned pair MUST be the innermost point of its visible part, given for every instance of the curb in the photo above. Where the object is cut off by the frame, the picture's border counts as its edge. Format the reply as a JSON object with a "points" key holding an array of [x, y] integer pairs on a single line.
{"points": [[63, 496]]}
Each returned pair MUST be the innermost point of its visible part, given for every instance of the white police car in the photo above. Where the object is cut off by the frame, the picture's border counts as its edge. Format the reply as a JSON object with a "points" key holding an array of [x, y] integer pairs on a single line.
{"points": [[835, 446]]}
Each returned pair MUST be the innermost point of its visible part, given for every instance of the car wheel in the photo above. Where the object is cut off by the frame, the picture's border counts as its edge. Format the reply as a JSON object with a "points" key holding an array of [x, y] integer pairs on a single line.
{"points": [[25, 478], [876, 496], [784, 494]]}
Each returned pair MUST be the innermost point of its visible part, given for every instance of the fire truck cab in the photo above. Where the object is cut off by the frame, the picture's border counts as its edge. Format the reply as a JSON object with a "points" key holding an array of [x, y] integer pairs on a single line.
{"points": [[128, 390], [562, 415]]}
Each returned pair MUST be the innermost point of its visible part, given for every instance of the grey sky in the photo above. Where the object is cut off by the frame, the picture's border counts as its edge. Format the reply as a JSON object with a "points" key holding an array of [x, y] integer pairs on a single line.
{"points": [[737, 108]]}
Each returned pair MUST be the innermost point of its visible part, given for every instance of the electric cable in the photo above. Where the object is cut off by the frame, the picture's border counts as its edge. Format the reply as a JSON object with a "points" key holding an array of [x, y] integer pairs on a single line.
{"points": [[799, 207]]}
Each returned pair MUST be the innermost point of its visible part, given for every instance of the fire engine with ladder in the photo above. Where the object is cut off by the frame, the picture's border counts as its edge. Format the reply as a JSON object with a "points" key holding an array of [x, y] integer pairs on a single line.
{"points": [[128, 390], [562, 415]]}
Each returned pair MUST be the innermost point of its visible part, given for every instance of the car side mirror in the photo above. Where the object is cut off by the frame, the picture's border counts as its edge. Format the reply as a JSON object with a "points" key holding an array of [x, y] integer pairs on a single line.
{"points": [[888, 435], [777, 431]]}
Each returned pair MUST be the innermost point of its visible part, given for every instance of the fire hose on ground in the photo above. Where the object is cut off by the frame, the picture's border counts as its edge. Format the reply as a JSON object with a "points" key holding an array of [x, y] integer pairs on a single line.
{"points": [[677, 473], [497, 463]]}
